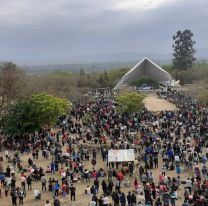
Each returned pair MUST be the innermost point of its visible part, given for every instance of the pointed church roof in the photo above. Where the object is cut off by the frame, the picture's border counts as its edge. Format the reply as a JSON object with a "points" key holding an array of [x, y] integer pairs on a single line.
{"points": [[147, 67]]}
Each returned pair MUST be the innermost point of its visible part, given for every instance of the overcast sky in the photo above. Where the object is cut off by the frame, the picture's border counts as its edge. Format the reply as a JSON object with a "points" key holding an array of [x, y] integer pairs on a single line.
{"points": [[55, 31]]}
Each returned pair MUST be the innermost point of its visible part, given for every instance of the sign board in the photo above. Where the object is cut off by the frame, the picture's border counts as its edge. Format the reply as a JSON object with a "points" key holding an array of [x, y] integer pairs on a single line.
{"points": [[123, 155]]}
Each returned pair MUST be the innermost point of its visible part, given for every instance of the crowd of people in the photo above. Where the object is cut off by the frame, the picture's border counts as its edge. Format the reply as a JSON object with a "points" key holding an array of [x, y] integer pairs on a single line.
{"points": [[170, 148]]}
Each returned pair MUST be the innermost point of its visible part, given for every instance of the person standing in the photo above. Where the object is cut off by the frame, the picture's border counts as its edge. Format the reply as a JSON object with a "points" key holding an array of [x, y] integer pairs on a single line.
{"points": [[29, 182], [110, 175], [13, 194], [129, 199], [6, 190], [188, 184], [64, 189], [135, 184], [115, 198], [21, 195], [105, 201], [86, 175], [56, 188], [23, 182], [100, 201], [6, 153], [110, 187], [95, 199], [144, 179], [96, 184], [52, 167], [123, 199], [133, 199], [44, 180], [155, 160], [204, 171], [172, 198], [73, 193], [104, 187]]}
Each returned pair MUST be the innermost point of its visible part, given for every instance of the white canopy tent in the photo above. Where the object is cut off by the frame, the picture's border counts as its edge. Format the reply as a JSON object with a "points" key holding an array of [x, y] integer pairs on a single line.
{"points": [[123, 155]]}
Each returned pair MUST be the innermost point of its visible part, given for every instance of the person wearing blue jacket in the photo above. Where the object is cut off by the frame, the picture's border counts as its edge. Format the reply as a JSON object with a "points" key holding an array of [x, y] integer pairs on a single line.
{"points": [[56, 188]]}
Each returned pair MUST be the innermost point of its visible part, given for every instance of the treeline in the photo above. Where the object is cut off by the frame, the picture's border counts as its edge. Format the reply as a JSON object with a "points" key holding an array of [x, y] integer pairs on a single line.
{"points": [[15, 83], [198, 73]]}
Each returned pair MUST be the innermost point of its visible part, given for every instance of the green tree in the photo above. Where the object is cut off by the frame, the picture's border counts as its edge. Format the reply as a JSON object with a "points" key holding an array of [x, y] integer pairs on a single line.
{"points": [[101, 80], [130, 102], [32, 113], [82, 72], [183, 50], [106, 76]]}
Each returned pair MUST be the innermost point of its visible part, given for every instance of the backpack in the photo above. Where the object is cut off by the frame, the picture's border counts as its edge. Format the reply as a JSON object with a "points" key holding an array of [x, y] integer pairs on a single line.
{"points": [[22, 194]]}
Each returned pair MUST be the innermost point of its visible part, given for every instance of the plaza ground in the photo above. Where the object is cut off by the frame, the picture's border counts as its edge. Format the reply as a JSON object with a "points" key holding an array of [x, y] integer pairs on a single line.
{"points": [[153, 103]]}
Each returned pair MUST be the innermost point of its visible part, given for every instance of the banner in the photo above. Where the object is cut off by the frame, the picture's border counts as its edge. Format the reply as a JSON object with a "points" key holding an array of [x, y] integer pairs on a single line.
{"points": [[123, 155]]}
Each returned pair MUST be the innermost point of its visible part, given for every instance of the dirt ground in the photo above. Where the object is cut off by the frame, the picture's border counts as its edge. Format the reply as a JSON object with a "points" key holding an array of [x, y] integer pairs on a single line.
{"points": [[152, 103], [81, 198]]}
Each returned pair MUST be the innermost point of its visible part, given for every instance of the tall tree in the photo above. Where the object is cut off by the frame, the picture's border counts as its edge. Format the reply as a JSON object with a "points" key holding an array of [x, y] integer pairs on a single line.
{"points": [[82, 72], [106, 76], [32, 113], [12, 82], [183, 50]]}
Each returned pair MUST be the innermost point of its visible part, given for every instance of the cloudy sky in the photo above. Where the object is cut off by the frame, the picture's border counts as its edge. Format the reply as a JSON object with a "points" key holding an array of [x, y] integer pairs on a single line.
{"points": [[61, 31]]}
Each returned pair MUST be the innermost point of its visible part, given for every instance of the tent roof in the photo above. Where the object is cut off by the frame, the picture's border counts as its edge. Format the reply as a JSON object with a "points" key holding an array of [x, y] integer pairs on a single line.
{"points": [[147, 67]]}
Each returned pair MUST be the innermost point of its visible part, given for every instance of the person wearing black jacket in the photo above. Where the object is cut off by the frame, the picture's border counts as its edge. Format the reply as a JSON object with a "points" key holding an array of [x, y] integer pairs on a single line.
{"points": [[110, 187], [13, 182], [95, 199], [115, 198], [13, 194], [123, 199], [73, 189], [100, 201], [56, 202], [104, 187], [129, 199], [96, 184], [133, 199]]}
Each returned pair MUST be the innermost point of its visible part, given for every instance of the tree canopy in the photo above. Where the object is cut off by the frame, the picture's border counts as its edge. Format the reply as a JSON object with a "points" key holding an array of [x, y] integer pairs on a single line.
{"points": [[130, 102], [12, 82], [183, 50], [32, 113]]}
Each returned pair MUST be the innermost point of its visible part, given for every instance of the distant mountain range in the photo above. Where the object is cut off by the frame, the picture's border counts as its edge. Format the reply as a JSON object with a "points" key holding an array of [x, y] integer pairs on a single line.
{"points": [[101, 62], [38, 69]]}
